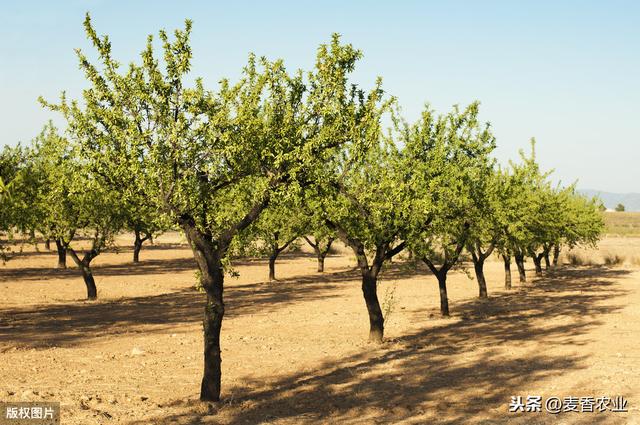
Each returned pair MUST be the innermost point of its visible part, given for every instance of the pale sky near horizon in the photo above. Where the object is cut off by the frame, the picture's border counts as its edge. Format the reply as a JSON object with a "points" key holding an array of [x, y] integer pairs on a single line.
{"points": [[565, 72]]}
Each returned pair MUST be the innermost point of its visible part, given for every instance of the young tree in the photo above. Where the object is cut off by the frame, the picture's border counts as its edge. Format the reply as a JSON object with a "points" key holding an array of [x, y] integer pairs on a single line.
{"points": [[211, 161]]}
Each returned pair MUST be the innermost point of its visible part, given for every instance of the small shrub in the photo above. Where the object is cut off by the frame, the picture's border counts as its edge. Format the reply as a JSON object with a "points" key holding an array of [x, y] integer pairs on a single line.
{"points": [[389, 302], [613, 259], [575, 259]]}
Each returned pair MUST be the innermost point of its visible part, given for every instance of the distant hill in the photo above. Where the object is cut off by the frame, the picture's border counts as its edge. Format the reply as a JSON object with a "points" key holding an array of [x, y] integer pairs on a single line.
{"points": [[631, 201]]}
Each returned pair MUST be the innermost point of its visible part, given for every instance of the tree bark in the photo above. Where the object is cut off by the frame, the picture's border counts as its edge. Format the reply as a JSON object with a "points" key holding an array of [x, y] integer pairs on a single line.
{"points": [[272, 265], [444, 300], [321, 263], [209, 260], [547, 262], [62, 254], [520, 264], [212, 324], [47, 244], [90, 283], [507, 271], [376, 320], [478, 265]]}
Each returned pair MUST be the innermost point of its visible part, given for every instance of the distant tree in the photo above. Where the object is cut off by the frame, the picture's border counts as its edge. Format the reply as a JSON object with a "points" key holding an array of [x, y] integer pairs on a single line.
{"points": [[277, 229], [620, 208], [70, 202], [321, 241]]}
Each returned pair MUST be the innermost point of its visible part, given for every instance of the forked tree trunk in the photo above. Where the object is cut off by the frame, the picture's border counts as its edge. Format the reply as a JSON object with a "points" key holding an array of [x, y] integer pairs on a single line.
{"points": [[507, 271], [209, 260], [62, 254], [479, 258], [519, 258], [90, 283], [321, 252], [137, 244], [376, 319], [537, 261], [441, 275], [275, 252], [84, 265]]}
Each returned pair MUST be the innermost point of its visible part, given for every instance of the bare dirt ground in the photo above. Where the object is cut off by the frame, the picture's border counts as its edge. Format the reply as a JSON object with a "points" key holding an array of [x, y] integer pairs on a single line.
{"points": [[294, 351]]}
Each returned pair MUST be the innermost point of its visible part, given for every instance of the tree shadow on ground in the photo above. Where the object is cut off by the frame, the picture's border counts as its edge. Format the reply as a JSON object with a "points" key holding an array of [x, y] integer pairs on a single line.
{"points": [[78, 322], [174, 265], [450, 372]]}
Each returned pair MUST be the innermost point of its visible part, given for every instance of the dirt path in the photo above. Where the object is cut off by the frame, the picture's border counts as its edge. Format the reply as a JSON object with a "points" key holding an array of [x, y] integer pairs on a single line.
{"points": [[294, 351]]}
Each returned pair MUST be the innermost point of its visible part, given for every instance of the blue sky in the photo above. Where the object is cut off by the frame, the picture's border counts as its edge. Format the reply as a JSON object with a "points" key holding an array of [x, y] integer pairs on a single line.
{"points": [[565, 72]]}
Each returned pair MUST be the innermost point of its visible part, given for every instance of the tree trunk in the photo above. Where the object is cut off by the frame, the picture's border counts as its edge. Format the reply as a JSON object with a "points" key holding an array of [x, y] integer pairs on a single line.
{"points": [[212, 324], [537, 261], [47, 244], [478, 265], [87, 275], [321, 262], [209, 260], [137, 246], [272, 265], [507, 271], [556, 255], [547, 263], [444, 300], [520, 265], [376, 320], [62, 254]]}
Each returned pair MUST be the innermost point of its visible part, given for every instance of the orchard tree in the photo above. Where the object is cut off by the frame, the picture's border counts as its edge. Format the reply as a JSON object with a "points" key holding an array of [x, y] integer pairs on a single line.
{"points": [[277, 229], [5, 220], [71, 202], [210, 161], [448, 160], [361, 197], [321, 239], [507, 215], [579, 222], [315, 230], [16, 191]]}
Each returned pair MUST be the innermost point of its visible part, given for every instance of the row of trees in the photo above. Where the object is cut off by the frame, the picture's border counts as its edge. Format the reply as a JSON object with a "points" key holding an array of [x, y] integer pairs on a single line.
{"points": [[275, 157]]}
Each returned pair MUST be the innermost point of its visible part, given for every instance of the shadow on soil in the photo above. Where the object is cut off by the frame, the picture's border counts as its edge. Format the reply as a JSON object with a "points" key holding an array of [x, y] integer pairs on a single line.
{"points": [[419, 374], [427, 374]]}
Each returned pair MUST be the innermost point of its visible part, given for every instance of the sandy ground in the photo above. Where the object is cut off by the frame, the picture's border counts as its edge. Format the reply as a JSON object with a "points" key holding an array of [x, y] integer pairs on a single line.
{"points": [[294, 351]]}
